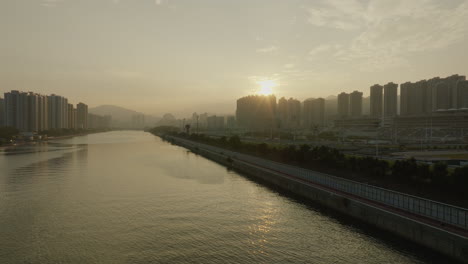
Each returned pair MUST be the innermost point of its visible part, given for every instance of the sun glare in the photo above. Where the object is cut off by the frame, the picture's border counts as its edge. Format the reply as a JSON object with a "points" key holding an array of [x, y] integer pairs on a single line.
{"points": [[266, 87]]}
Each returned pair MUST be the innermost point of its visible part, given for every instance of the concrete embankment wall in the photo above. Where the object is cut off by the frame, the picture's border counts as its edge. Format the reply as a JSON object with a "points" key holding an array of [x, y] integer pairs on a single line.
{"points": [[448, 243]]}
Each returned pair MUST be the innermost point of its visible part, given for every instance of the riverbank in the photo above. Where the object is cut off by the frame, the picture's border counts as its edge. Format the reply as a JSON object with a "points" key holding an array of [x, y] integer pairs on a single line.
{"points": [[59, 137], [436, 182], [440, 227], [127, 196]]}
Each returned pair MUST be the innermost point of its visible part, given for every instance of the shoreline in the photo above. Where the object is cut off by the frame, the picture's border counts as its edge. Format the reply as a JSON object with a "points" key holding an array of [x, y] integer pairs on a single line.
{"points": [[365, 203], [22, 143]]}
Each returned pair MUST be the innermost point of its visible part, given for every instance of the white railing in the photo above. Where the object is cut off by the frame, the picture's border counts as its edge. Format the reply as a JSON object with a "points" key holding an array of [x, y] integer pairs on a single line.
{"points": [[443, 213]]}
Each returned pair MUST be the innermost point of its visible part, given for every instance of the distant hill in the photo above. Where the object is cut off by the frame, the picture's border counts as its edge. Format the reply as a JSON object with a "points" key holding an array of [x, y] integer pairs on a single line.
{"points": [[118, 113], [122, 117]]}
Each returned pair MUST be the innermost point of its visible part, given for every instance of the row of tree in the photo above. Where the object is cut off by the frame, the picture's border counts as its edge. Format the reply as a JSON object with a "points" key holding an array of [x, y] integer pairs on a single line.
{"points": [[435, 181], [7, 134]]}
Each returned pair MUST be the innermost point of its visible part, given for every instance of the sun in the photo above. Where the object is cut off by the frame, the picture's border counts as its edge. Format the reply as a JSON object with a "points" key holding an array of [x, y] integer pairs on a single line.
{"points": [[266, 87]]}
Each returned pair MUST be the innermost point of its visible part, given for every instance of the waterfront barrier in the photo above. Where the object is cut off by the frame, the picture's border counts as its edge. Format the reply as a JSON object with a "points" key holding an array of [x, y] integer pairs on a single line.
{"points": [[440, 226]]}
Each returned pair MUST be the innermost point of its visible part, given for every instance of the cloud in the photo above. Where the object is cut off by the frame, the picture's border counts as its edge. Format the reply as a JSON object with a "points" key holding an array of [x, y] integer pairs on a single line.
{"points": [[50, 3], [323, 48], [156, 2], [124, 74], [337, 14], [268, 49], [384, 33]]}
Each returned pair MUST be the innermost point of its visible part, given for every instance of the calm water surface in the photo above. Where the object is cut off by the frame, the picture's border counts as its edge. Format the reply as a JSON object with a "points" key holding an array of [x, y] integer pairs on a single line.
{"points": [[128, 197]]}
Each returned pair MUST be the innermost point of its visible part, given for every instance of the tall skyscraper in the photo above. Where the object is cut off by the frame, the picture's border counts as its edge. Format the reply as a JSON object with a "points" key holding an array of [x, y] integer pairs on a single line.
{"points": [[424, 97], [443, 97], [215, 122], [32, 112], [462, 91], [307, 111], [318, 112], [81, 116], [2, 112], [230, 122], [432, 93], [257, 112], [390, 99], [343, 105], [58, 112], [43, 112], [314, 113], [376, 101], [16, 110], [453, 89], [294, 113], [25, 111], [415, 98], [355, 104], [71, 116], [404, 98], [282, 112]]}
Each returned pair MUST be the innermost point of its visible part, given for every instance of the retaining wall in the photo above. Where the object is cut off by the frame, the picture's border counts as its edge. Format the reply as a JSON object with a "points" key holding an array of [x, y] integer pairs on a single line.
{"points": [[448, 240]]}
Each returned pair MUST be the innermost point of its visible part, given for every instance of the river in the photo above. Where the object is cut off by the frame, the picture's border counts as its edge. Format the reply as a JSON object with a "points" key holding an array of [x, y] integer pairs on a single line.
{"points": [[129, 197]]}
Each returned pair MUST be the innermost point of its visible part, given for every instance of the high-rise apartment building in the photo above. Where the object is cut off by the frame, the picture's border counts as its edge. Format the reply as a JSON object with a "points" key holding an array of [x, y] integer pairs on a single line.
{"points": [[257, 112], [313, 113], [355, 104], [432, 93], [43, 109], [288, 113], [16, 107], [215, 122], [452, 82], [71, 116], [404, 98], [2, 112], [390, 99], [294, 113], [282, 112], [424, 97], [203, 120], [343, 105], [443, 96], [25, 111], [81, 116], [462, 91], [446, 92], [376, 101], [58, 112], [33, 112], [12, 111], [230, 122], [415, 98]]}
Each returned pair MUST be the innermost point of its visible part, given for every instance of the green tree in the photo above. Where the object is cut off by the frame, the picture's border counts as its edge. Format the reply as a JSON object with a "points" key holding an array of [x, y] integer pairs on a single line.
{"points": [[440, 173], [235, 142], [460, 179], [7, 133]]}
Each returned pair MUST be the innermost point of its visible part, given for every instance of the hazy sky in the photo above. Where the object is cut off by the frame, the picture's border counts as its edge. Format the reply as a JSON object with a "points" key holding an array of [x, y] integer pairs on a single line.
{"points": [[181, 56]]}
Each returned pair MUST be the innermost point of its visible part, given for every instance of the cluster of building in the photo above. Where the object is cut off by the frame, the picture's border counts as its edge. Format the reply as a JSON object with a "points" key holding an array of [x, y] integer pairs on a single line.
{"points": [[33, 112], [210, 122], [440, 102], [437, 102], [258, 112]]}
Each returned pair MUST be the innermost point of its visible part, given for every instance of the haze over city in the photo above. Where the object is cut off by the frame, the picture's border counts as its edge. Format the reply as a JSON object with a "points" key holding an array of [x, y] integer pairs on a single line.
{"points": [[234, 131], [185, 56]]}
